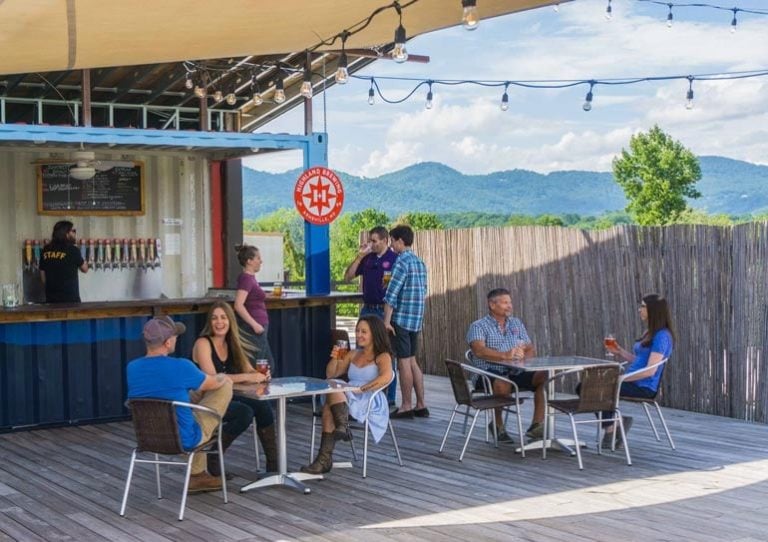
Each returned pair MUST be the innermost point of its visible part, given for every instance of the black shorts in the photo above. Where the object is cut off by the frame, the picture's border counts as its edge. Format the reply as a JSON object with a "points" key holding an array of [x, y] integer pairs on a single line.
{"points": [[405, 342], [523, 379]]}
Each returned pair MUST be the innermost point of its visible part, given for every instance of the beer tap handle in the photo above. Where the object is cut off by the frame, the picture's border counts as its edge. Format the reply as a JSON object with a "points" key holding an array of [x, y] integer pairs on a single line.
{"points": [[158, 253], [27, 255], [142, 253], [99, 254], [134, 258], [91, 253], [36, 250], [151, 253], [126, 254], [108, 254]]}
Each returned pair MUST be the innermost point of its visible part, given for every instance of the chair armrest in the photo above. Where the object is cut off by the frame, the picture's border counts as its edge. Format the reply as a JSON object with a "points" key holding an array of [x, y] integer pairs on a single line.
{"points": [[638, 371], [489, 376]]}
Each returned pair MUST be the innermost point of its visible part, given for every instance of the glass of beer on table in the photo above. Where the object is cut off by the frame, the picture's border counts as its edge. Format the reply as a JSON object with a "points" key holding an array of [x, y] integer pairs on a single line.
{"points": [[610, 342], [262, 366]]}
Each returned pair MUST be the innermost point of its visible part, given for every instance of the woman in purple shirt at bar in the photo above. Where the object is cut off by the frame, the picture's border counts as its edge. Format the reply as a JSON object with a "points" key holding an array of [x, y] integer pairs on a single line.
{"points": [[249, 303]]}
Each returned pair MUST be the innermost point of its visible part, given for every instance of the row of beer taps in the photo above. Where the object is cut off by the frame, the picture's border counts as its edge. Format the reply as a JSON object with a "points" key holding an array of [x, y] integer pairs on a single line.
{"points": [[104, 253]]}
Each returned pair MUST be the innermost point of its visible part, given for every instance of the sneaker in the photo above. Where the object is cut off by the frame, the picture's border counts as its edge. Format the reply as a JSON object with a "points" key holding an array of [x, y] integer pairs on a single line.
{"points": [[535, 431], [202, 482], [608, 436], [502, 435]]}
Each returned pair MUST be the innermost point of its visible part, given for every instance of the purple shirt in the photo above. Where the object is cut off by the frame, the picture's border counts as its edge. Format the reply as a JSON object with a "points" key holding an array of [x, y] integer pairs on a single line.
{"points": [[254, 301], [372, 268]]}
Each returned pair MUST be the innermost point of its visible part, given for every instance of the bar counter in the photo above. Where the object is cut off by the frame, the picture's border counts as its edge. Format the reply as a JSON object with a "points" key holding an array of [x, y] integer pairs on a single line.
{"points": [[65, 364]]}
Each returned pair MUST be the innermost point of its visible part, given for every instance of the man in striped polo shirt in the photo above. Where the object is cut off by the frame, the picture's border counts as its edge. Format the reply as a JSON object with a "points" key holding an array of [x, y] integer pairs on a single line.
{"points": [[403, 317]]}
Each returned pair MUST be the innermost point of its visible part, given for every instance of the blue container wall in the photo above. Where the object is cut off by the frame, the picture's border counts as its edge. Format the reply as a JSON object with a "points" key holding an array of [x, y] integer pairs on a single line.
{"points": [[70, 372]]}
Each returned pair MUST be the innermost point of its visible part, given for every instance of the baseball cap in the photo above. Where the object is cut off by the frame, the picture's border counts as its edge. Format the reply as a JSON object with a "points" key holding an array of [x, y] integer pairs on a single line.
{"points": [[160, 329]]}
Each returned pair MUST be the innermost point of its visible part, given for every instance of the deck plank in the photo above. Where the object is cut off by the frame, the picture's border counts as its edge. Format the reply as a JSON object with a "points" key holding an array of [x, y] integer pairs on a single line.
{"points": [[66, 484]]}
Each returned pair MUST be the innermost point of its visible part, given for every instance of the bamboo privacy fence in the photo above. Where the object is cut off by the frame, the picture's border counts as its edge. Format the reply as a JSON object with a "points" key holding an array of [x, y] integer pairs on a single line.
{"points": [[571, 287]]}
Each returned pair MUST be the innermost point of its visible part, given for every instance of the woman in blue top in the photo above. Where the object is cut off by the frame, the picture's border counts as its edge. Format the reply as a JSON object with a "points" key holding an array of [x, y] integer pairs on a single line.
{"points": [[654, 345], [370, 368]]}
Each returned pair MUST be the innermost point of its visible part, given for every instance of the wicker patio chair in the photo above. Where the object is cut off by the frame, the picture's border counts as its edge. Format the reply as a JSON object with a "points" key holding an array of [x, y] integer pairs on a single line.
{"points": [[645, 401], [157, 432], [599, 392], [466, 399]]}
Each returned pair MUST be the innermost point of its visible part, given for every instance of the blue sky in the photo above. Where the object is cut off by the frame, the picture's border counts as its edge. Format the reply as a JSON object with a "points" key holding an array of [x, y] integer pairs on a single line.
{"points": [[547, 130]]}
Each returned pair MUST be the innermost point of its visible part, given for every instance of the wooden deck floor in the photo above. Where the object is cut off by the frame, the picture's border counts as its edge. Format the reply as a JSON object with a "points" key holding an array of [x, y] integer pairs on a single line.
{"points": [[65, 484]]}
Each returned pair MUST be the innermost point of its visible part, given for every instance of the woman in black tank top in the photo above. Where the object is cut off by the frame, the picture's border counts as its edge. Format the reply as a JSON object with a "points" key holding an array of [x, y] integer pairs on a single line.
{"points": [[221, 349]]}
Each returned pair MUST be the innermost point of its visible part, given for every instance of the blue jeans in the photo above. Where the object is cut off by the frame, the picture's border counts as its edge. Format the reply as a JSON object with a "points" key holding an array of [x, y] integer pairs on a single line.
{"points": [[392, 389]]}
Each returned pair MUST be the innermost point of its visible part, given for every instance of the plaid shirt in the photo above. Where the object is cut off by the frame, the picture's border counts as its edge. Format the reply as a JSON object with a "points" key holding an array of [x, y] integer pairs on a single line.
{"points": [[487, 330], [407, 290]]}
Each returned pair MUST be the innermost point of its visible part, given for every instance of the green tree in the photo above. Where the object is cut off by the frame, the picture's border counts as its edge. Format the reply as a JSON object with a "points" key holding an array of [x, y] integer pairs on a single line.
{"points": [[421, 221], [657, 174], [520, 220], [549, 220], [692, 216]]}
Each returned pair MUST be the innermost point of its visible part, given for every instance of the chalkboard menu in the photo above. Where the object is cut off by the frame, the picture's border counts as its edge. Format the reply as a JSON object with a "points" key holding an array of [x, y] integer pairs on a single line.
{"points": [[117, 190]]}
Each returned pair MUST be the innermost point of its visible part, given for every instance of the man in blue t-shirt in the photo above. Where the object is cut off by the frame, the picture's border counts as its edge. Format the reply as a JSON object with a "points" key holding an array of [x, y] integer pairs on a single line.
{"points": [[159, 376]]}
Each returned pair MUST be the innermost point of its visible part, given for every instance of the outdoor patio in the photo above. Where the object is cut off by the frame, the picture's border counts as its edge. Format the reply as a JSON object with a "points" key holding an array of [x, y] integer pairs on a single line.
{"points": [[66, 484]]}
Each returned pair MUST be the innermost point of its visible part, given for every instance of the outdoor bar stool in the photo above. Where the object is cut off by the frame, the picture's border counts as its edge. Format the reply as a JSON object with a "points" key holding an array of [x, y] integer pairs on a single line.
{"points": [[157, 432], [650, 400], [599, 392], [465, 398]]}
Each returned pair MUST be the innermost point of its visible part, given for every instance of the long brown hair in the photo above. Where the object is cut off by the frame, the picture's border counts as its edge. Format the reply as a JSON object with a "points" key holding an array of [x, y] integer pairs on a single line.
{"points": [[658, 318], [239, 347], [381, 344]]}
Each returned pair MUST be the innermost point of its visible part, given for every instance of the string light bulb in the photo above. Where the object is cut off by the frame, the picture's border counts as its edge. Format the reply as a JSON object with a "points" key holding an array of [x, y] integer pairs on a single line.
{"points": [[609, 11], [469, 17], [734, 22], [256, 98], [371, 94], [342, 73], [689, 94], [505, 98], [200, 91], [279, 96], [588, 98], [306, 85], [428, 104], [231, 98], [188, 84], [399, 53], [218, 95], [670, 17]]}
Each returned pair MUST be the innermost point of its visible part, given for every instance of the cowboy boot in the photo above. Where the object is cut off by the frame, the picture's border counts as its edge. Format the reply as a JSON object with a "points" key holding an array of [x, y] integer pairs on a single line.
{"points": [[324, 460], [269, 445], [340, 412], [213, 459]]}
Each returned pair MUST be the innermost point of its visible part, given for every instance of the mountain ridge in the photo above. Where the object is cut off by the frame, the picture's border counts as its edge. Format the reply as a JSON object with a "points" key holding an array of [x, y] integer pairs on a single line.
{"points": [[728, 186]]}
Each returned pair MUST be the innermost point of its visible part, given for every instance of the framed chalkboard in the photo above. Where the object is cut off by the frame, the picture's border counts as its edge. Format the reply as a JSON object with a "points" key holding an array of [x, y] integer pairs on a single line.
{"points": [[115, 190]]}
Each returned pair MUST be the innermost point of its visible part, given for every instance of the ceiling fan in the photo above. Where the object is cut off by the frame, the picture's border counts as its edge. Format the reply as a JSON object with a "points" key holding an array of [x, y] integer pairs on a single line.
{"points": [[85, 164]]}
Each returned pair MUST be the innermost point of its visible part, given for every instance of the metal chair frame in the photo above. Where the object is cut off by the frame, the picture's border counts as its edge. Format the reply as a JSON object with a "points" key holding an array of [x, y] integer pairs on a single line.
{"points": [[645, 401], [380, 390], [486, 376], [205, 447], [617, 421]]}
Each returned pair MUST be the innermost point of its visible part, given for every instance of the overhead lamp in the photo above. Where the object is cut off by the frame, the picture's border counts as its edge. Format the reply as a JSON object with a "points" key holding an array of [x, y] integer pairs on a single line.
{"points": [[399, 53], [469, 16], [342, 73], [306, 85], [279, 96]]}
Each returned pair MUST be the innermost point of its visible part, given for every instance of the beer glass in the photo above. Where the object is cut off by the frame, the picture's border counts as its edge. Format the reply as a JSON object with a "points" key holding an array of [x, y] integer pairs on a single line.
{"points": [[262, 366], [610, 342]]}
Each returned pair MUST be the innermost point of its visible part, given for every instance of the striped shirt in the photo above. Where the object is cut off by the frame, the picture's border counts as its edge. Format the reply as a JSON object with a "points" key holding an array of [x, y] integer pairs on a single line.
{"points": [[487, 330], [407, 291]]}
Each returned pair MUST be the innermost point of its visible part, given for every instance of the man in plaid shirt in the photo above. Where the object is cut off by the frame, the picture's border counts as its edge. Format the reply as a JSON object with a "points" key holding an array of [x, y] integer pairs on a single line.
{"points": [[403, 316], [500, 344]]}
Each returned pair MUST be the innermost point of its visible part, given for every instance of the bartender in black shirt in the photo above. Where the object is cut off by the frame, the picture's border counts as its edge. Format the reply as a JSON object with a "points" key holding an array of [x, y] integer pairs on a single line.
{"points": [[59, 264]]}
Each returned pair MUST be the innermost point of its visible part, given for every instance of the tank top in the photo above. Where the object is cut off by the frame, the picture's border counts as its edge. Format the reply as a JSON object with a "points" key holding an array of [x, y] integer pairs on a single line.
{"points": [[221, 365]]}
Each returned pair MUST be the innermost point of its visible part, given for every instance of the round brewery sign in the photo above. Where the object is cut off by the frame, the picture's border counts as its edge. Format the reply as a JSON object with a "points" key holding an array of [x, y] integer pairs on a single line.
{"points": [[318, 195]]}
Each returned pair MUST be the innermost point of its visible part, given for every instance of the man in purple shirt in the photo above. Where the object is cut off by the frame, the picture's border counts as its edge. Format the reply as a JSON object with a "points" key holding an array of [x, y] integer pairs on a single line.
{"points": [[374, 262]]}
